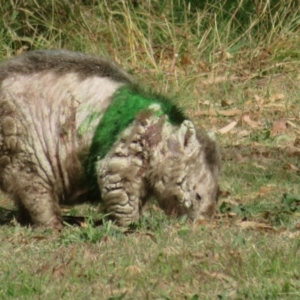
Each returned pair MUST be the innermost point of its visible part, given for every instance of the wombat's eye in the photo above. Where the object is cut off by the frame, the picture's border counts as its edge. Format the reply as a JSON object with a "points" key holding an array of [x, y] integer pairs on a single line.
{"points": [[198, 197]]}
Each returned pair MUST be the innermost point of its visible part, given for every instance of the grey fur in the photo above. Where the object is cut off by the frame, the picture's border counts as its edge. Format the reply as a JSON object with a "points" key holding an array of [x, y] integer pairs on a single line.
{"points": [[62, 62], [46, 129]]}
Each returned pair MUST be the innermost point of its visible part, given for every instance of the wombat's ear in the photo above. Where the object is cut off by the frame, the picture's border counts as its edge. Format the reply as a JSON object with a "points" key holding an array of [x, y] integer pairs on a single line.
{"points": [[187, 136]]}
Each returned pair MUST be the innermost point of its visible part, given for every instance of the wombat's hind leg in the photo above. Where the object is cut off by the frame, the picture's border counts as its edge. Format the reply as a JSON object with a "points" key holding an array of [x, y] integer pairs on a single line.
{"points": [[23, 216], [38, 205]]}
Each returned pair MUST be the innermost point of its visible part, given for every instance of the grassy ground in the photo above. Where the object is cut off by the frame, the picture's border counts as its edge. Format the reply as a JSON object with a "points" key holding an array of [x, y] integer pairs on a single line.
{"points": [[235, 71]]}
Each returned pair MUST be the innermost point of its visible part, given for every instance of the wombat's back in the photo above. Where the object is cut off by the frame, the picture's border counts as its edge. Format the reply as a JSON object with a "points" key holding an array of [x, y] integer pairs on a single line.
{"points": [[63, 62]]}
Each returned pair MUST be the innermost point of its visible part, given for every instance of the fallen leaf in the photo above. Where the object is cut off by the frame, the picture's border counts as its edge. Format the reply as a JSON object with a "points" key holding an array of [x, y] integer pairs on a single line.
{"points": [[297, 142], [235, 253], [152, 237], [149, 234], [199, 255], [65, 210], [133, 270], [229, 113], [173, 63], [105, 239], [43, 269], [248, 103], [203, 66], [244, 133], [258, 98], [277, 97], [223, 193], [292, 151], [225, 113], [255, 225], [88, 255], [291, 167], [221, 276], [246, 119], [228, 55], [256, 165], [291, 235], [207, 223], [227, 128], [185, 60], [231, 201], [278, 127], [219, 79], [226, 216], [39, 237], [59, 271], [291, 124], [231, 214], [266, 189], [205, 102], [21, 50], [83, 224], [226, 102], [275, 105]]}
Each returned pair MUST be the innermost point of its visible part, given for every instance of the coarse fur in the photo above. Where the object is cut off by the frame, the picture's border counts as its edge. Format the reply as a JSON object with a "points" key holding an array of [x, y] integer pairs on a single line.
{"points": [[75, 127]]}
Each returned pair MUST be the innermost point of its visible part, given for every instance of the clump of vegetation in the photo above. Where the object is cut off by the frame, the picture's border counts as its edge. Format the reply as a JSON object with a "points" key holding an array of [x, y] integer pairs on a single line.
{"points": [[234, 68]]}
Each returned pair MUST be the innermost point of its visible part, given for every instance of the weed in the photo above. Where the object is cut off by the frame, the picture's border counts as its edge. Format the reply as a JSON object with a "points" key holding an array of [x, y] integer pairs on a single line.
{"points": [[93, 234]]}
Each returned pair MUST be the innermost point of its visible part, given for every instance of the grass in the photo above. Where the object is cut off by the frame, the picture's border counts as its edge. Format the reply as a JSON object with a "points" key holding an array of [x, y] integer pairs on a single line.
{"points": [[230, 63]]}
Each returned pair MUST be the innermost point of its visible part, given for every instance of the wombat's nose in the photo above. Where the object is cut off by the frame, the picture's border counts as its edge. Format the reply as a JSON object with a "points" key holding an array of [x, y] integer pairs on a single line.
{"points": [[187, 203]]}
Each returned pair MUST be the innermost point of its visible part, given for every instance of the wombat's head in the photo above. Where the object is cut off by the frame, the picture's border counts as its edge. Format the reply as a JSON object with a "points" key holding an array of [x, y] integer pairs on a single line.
{"points": [[190, 168]]}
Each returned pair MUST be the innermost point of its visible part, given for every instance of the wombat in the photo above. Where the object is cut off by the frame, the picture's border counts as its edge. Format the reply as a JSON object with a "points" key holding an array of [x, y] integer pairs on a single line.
{"points": [[76, 127]]}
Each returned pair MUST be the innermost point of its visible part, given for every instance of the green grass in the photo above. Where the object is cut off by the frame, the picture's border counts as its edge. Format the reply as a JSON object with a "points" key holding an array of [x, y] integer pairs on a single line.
{"points": [[238, 58], [176, 262]]}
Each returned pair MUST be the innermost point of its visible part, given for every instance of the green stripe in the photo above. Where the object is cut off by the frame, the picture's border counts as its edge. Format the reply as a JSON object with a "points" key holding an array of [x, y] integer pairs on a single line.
{"points": [[126, 103]]}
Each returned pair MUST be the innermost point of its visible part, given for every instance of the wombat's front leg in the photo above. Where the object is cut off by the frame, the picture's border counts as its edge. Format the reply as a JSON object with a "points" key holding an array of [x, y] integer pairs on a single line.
{"points": [[36, 202], [122, 188]]}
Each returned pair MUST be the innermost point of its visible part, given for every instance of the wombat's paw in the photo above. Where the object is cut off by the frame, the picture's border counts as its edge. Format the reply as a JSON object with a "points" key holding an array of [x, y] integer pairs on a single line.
{"points": [[189, 127], [187, 203], [56, 224], [25, 220], [188, 124]]}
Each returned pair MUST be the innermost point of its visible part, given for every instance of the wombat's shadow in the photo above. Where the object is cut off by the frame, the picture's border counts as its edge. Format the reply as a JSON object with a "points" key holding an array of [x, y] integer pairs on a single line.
{"points": [[8, 215]]}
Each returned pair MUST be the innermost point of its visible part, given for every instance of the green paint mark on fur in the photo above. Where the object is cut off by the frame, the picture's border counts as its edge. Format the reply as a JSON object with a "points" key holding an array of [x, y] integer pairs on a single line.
{"points": [[84, 126], [127, 102]]}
